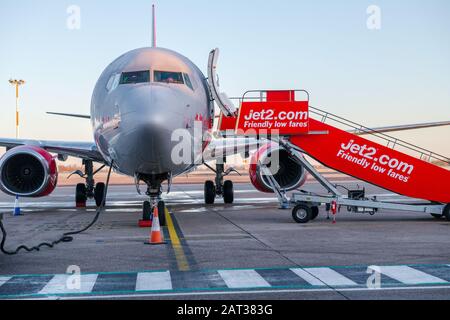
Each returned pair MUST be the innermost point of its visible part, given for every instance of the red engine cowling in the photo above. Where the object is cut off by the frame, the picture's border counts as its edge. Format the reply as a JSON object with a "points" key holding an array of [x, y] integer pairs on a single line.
{"points": [[289, 174], [28, 171]]}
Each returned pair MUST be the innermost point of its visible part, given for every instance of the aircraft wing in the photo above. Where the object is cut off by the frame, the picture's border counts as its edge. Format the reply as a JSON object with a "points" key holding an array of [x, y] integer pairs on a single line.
{"points": [[407, 127], [81, 116], [82, 150], [220, 148]]}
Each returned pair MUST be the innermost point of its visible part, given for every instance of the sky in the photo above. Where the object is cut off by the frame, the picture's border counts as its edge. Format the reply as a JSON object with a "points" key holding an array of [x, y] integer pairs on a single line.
{"points": [[397, 74]]}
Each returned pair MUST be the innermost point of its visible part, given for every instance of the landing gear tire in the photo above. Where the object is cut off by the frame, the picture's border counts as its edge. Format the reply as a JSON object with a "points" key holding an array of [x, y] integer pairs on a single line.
{"points": [[314, 213], [210, 192], [447, 212], [302, 214], [99, 193], [162, 213], [146, 211], [437, 216], [81, 195], [228, 192]]}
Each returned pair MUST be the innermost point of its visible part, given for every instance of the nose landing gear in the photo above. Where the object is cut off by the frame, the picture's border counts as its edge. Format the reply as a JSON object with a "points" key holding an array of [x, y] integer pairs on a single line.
{"points": [[154, 191]]}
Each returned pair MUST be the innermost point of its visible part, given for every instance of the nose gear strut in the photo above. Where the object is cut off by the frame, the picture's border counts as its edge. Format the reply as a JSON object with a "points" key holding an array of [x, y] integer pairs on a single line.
{"points": [[154, 192]]}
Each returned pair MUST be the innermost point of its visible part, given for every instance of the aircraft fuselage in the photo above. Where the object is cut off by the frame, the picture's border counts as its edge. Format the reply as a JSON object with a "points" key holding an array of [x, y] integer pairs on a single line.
{"points": [[139, 101]]}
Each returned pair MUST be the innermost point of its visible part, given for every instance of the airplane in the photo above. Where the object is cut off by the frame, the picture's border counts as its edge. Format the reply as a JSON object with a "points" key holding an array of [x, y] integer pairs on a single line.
{"points": [[140, 99]]}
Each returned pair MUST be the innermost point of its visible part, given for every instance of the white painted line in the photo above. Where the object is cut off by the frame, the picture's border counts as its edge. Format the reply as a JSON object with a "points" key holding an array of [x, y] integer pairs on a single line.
{"points": [[3, 280], [308, 277], [199, 192], [253, 292], [237, 279], [154, 281], [349, 181], [256, 199], [67, 284], [408, 275], [331, 277]]}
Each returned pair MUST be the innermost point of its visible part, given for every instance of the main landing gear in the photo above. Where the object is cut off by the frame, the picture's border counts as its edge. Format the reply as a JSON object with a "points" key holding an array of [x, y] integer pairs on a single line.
{"points": [[220, 188], [445, 214], [89, 190]]}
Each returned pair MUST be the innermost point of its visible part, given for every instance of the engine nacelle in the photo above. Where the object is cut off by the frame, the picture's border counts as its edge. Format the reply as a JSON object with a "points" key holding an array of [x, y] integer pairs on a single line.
{"points": [[28, 171], [289, 174]]}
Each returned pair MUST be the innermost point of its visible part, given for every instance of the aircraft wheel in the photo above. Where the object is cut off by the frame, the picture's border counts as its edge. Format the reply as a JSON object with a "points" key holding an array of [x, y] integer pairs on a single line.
{"points": [[447, 212], [146, 211], [210, 192], [162, 213], [302, 214], [99, 193], [81, 195], [228, 192], [314, 213]]}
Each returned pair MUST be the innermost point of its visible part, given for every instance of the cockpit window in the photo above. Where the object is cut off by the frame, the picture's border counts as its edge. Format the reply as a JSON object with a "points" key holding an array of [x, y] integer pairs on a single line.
{"points": [[188, 81], [135, 77], [113, 82], [169, 77]]}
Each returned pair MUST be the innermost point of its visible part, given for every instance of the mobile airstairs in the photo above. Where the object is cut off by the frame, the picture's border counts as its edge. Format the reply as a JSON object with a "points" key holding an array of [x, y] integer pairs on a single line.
{"points": [[286, 118]]}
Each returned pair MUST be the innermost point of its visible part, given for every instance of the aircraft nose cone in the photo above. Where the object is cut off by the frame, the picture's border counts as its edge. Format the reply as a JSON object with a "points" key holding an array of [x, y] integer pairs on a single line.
{"points": [[148, 127]]}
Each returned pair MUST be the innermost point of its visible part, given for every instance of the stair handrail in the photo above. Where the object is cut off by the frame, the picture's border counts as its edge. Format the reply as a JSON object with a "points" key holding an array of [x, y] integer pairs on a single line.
{"points": [[424, 154], [390, 139]]}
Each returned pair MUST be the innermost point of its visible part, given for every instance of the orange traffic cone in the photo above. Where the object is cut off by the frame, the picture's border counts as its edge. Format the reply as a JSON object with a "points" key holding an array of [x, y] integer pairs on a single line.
{"points": [[156, 236]]}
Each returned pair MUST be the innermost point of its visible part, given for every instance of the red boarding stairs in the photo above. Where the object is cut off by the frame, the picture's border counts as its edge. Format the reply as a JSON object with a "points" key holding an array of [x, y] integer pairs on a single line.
{"points": [[342, 145]]}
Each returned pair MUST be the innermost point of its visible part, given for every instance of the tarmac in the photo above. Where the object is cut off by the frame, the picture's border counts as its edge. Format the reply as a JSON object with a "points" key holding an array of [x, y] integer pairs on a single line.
{"points": [[248, 250]]}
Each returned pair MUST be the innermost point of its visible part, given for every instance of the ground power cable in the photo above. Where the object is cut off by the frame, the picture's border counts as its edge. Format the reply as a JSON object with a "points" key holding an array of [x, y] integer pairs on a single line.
{"points": [[66, 237]]}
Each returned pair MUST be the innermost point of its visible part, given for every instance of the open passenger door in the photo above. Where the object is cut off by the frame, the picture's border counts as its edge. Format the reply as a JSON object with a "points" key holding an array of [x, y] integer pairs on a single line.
{"points": [[226, 106]]}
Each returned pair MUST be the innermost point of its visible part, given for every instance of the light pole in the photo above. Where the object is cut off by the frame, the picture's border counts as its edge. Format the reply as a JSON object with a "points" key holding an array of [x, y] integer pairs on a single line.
{"points": [[17, 84]]}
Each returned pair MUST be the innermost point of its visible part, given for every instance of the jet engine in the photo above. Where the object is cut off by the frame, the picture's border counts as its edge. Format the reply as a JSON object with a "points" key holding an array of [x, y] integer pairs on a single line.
{"points": [[289, 174], [28, 171]]}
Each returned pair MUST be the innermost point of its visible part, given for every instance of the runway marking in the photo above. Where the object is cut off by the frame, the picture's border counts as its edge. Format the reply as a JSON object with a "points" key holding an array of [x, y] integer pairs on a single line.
{"points": [[111, 282], [154, 281], [240, 279], [330, 277], [182, 261], [242, 292], [159, 283], [308, 277], [3, 280], [60, 284], [408, 275]]}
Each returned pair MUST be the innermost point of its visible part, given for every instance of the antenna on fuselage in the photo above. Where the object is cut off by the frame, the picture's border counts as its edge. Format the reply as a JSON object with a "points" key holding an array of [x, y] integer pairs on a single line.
{"points": [[153, 27]]}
